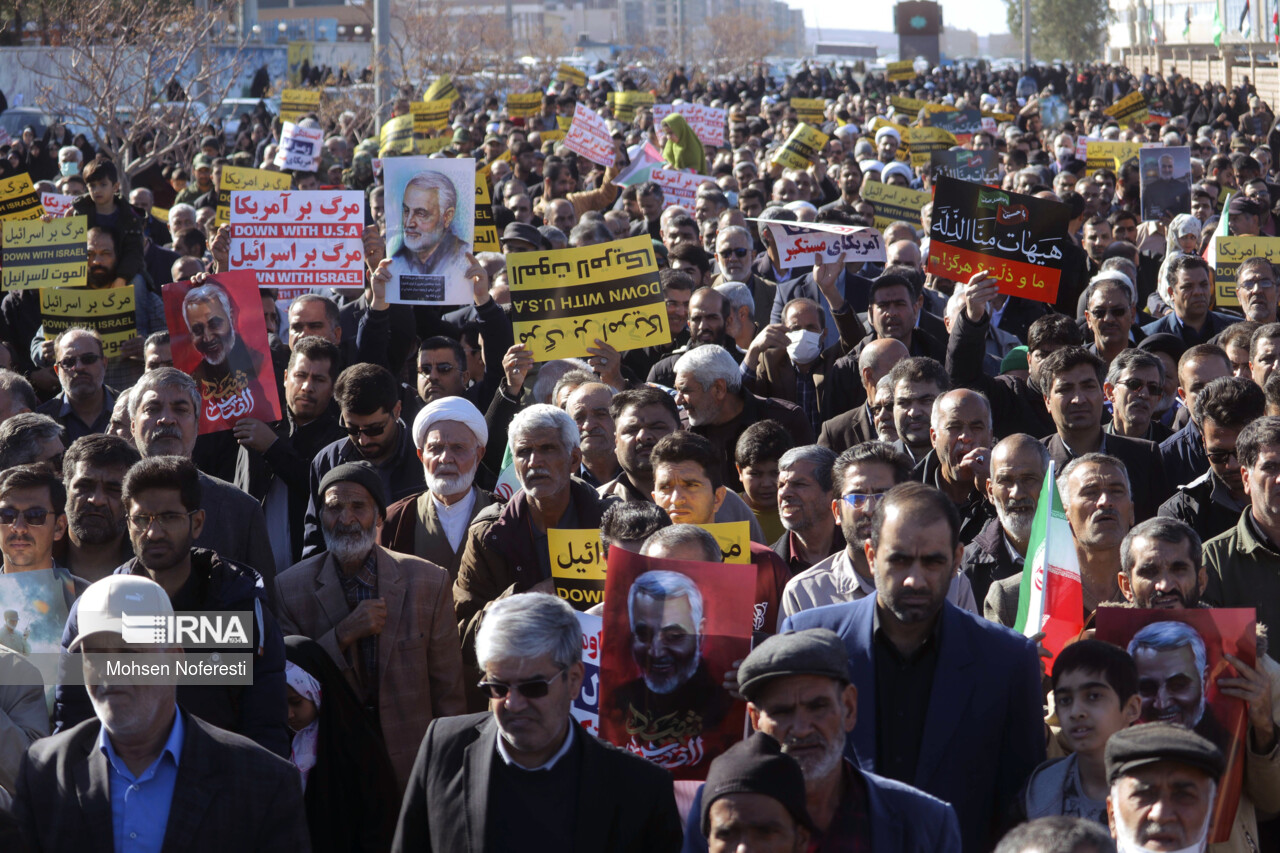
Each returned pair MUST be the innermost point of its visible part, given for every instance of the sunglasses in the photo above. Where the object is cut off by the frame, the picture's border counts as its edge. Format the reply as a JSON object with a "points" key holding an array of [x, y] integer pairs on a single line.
{"points": [[371, 431], [85, 358], [1115, 311], [33, 516], [534, 689], [1135, 384], [736, 253], [1221, 457], [858, 501]]}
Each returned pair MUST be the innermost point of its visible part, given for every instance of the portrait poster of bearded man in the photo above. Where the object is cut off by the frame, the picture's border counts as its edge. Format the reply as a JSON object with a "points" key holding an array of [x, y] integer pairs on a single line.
{"points": [[1181, 656], [219, 337], [674, 634], [430, 215]]}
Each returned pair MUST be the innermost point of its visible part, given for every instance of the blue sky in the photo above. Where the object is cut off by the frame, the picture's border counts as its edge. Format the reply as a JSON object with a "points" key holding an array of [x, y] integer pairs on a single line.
{"points": [[981, 16]]}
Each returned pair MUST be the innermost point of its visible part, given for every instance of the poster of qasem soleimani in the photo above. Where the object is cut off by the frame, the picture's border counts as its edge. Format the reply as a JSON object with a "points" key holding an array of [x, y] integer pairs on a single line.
{"points": [[1180, 656], [1017, 239], [1165, 180], [430, 229], [673, 631], [219, 338]]}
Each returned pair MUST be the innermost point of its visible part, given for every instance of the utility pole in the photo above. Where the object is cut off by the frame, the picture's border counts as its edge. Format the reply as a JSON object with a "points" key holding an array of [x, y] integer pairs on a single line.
{"points": [[1026, 35], [381, 57]]}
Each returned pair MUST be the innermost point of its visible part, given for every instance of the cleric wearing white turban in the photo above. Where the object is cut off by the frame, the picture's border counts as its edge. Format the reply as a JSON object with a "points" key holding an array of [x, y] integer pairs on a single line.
{"points": [[450, 435]]}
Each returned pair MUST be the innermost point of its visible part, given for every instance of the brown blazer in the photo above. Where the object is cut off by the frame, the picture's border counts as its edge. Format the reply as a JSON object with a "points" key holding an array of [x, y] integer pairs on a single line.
{"points": [[413, 527], [419, 659]]}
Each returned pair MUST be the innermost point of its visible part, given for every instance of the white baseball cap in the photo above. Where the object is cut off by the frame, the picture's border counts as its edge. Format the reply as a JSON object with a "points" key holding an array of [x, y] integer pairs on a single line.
{"points": [[101, 608]]}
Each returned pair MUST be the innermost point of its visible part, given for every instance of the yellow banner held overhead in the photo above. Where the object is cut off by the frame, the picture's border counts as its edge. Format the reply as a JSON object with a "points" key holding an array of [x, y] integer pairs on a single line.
{"points": [[486, 234], [734, 538], [524, 104], [244, 178], [396, 137], [110, 312], [925, 140], [802, 147], [577, 566], [809, 110], [1132, 107], [296, 103], [19, 199], [568, 74], [563, 300], [40, 254], [429, 115], [441, 89], [626, 103], [896, 71], [895, 204], [1226, 255], [1109, 155]]}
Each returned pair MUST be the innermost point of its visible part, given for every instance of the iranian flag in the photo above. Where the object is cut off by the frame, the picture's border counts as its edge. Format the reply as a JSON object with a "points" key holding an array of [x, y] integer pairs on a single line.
{"points": [[1224, 224], [1050, 598], [644, 159]]}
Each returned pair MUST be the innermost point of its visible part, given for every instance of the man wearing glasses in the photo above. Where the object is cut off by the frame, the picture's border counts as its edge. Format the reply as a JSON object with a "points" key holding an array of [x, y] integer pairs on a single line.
{"points": [[85, 404], [523, 769], [162, 499], [1256, 290], [386, 619], [735, 255], [368, 397], [861, 476], [32, 518], [1135, 384], [1111, 316]]}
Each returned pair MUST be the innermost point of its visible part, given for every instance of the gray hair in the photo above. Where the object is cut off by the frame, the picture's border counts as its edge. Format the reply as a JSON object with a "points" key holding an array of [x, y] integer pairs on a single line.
{"points": [[1089, 459], [737, 295], [543, 416], [446, 194], [162, 377], [684, 534], [821, 458], [1167, 636], [181, 208], [1132, 358], [574, 379], [22, 435], [660, 585], [550, 373], [735, 231], [529, 625], [707, 363], [205, 293], [77, 330], [71, 149], [18, 388]]}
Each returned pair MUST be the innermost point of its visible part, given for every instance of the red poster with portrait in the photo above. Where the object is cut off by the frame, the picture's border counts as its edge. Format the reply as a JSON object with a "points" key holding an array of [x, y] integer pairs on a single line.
{"points": [[673, 630], [1179, 654], [219, 338]]}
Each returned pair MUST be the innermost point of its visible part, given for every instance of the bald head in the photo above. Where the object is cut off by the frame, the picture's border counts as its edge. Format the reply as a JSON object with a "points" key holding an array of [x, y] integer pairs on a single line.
{"points": [[904, 252], [1019, 445], [877, 359]]}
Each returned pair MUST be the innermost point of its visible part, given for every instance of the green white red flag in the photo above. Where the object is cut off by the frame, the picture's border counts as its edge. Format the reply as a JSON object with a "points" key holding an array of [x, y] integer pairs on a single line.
{"points": [[1050, 597]]}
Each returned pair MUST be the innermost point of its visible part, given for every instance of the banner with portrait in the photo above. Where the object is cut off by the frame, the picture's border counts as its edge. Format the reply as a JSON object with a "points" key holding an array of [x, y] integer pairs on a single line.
{"points": [[1165, 176], [1180, 657], [219, 339], [430, 229], [674, 630]]}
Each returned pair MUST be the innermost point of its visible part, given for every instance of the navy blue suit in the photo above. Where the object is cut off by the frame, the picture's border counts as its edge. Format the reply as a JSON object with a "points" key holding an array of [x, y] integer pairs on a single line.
{"points": [[984, 730], [1213, 324], [902, 819]]}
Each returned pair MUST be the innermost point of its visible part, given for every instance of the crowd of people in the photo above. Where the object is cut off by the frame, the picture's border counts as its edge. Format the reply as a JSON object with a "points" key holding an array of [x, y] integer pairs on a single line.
{"points": [[885, 432]]}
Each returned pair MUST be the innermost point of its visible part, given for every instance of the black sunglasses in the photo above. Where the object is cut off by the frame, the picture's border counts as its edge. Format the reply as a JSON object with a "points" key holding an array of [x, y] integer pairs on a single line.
{"points": [[34, 516], [372, 431], [737, 253], [534, 689], [85, 358]]}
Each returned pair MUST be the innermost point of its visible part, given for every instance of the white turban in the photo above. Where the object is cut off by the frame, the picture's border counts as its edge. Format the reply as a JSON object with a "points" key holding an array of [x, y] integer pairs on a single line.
{"points": [[895, 168], [888, 131], [870, 166], [458, 409]]}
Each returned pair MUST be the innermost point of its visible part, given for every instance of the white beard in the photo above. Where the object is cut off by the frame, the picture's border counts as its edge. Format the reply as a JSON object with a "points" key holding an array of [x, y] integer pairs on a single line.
{"points": [[450, 485]]}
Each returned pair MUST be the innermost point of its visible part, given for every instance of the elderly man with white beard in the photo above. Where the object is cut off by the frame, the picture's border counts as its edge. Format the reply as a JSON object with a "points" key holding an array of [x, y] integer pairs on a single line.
{"points": [[385, 619], [451, 436], [1018, 466]]}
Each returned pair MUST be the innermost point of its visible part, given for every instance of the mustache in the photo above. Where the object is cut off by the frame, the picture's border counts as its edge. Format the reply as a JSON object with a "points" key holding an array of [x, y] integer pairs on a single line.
{"points": [[166, 431]]}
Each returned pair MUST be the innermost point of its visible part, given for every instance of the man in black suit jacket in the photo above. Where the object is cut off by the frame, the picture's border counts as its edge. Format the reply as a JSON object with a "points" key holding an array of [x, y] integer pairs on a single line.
{"points": [[1071, 380], [525, 775], [220, 791]]}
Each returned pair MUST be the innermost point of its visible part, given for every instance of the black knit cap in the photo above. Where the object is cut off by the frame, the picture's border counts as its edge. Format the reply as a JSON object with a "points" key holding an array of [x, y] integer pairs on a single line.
{"points": [[1151, 743], [361, 473], [756, 765]]}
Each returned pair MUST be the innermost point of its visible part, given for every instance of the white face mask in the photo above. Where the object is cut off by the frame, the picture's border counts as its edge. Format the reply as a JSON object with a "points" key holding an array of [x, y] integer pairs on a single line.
{"points": [[805, 346]]}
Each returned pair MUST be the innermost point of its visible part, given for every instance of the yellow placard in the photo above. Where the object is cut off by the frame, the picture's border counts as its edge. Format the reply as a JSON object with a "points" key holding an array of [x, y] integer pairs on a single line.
{"points": [[19, 199], [110, 312], [396, 137], [904, 70], [486, 233], [297, 53], [1132, 107], [552, 135], [563, 123], [524, 104], [577, 566], [430, 115], [441, 89], [1109, 155], [895, 203], [801, 148], [925, 140], [915, 105], [296, 103], [40, 254], [432, 145], [160, 213], [1228, 253], [244, 178], [568, 74], [625, 103], [734, 538], [563, 300], [809, 110]]}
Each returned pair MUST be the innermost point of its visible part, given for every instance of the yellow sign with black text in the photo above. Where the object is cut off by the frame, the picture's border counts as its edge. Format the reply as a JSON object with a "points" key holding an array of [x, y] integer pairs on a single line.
{"points": [[894, 203], [734, 538], [802, 147], [110, 312], [44, 254], [577, 566]]}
